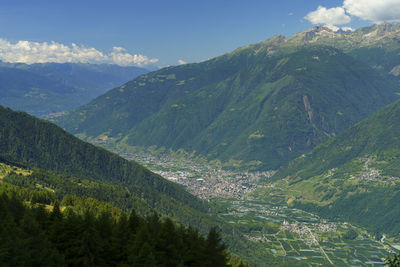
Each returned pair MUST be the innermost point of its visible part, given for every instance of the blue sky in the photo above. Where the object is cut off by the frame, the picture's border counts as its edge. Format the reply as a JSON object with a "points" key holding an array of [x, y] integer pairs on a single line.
{"points": [[166, 30]]}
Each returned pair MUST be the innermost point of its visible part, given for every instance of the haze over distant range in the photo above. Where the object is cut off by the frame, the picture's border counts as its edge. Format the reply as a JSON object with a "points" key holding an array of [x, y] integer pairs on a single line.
{"points": [[160, 33]]}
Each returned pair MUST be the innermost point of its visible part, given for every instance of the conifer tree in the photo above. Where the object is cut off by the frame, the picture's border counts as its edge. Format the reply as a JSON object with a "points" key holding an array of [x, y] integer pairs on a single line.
{"points": [[215, 250]]}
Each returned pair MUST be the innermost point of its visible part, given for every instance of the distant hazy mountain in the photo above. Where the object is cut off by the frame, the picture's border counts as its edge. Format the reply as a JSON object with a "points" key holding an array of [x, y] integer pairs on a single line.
{"points": [[46, 88], [266, 103], [355, 175]]}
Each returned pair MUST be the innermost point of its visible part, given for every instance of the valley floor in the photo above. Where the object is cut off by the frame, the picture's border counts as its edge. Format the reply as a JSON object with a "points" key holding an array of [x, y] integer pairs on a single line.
{"points": [[303, 236], [275, 228]]}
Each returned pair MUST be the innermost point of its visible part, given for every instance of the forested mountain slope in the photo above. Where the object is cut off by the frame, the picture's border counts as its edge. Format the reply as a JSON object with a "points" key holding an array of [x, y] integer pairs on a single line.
{"points": [[254, 104], [353, 176], [38, 143]]}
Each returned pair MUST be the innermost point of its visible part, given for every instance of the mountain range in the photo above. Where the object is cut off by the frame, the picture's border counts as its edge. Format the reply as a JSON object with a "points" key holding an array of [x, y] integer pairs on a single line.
{"points": [[263, 104], [45, 88]]}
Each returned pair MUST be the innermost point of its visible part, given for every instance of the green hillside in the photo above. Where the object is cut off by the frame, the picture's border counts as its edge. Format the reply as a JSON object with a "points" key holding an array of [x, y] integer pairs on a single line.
{"points": [[354, 176], [250, 105], [38, 143]]}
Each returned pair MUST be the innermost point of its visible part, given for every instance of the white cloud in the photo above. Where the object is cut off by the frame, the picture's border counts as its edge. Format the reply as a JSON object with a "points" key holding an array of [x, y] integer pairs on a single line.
{"points": [[374, 10], [181, 62], [347, 29], [331, 16], [120, 57], [336, 28], [332, 27], [35, 52]]}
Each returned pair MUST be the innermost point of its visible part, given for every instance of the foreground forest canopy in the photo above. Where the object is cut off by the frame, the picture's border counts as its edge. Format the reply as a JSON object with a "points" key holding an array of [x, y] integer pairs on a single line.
{"points": [[33, 236]]}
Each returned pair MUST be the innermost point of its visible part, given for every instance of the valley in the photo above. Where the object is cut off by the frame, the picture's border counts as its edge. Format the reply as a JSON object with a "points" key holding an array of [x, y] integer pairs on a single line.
{"points": [[256, 207], [200, 133], [201, 178], [291, 142], [293, 233]]}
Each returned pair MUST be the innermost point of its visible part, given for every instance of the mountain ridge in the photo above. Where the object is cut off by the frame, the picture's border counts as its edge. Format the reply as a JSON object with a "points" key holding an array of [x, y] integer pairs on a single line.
{"points": [[220, 108], [361, 43], [41, 144]]}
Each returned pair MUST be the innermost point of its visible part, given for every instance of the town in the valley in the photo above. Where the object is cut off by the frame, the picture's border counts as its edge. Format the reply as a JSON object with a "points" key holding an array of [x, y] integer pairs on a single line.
{"points": [[299, 234], [202, 180]]}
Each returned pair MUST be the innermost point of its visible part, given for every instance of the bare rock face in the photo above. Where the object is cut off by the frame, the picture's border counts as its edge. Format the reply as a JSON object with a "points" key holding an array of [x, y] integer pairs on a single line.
{"points": [[395, 71]]}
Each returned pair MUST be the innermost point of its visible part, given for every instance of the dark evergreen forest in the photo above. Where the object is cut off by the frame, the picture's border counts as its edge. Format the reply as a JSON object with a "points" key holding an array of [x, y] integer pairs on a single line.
{"points": [[32, 235]]}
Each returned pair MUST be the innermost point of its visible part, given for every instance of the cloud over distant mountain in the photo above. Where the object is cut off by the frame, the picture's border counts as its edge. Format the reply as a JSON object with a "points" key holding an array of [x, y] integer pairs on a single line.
{"points": [[376, 11], [181, 62], [35, 52], [331, 16]]}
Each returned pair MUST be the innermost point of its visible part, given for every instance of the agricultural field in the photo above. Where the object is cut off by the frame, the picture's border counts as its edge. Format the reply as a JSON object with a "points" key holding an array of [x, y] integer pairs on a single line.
{"points": [[262, 212], [289, 232]]}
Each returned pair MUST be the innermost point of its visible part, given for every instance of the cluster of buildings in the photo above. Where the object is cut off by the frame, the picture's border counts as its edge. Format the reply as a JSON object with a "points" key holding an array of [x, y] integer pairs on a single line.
{"points": [[259, 210], [201, 180], [306, 233], [371, 174], [325, 227], [214, 183]]}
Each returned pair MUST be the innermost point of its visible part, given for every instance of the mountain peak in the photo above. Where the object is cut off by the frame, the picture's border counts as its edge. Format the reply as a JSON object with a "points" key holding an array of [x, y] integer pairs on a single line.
{"points": [[313, 34], [387, 29], [385, 35]]}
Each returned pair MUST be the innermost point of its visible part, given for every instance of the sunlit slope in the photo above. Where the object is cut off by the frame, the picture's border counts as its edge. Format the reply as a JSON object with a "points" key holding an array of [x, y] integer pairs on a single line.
{"points": [[38, 143], [247, 105], [354, 176]]}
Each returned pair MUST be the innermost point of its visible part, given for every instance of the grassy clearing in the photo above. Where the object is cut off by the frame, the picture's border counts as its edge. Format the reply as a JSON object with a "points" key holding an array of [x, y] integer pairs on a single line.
{"points": [[6, 169]]}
